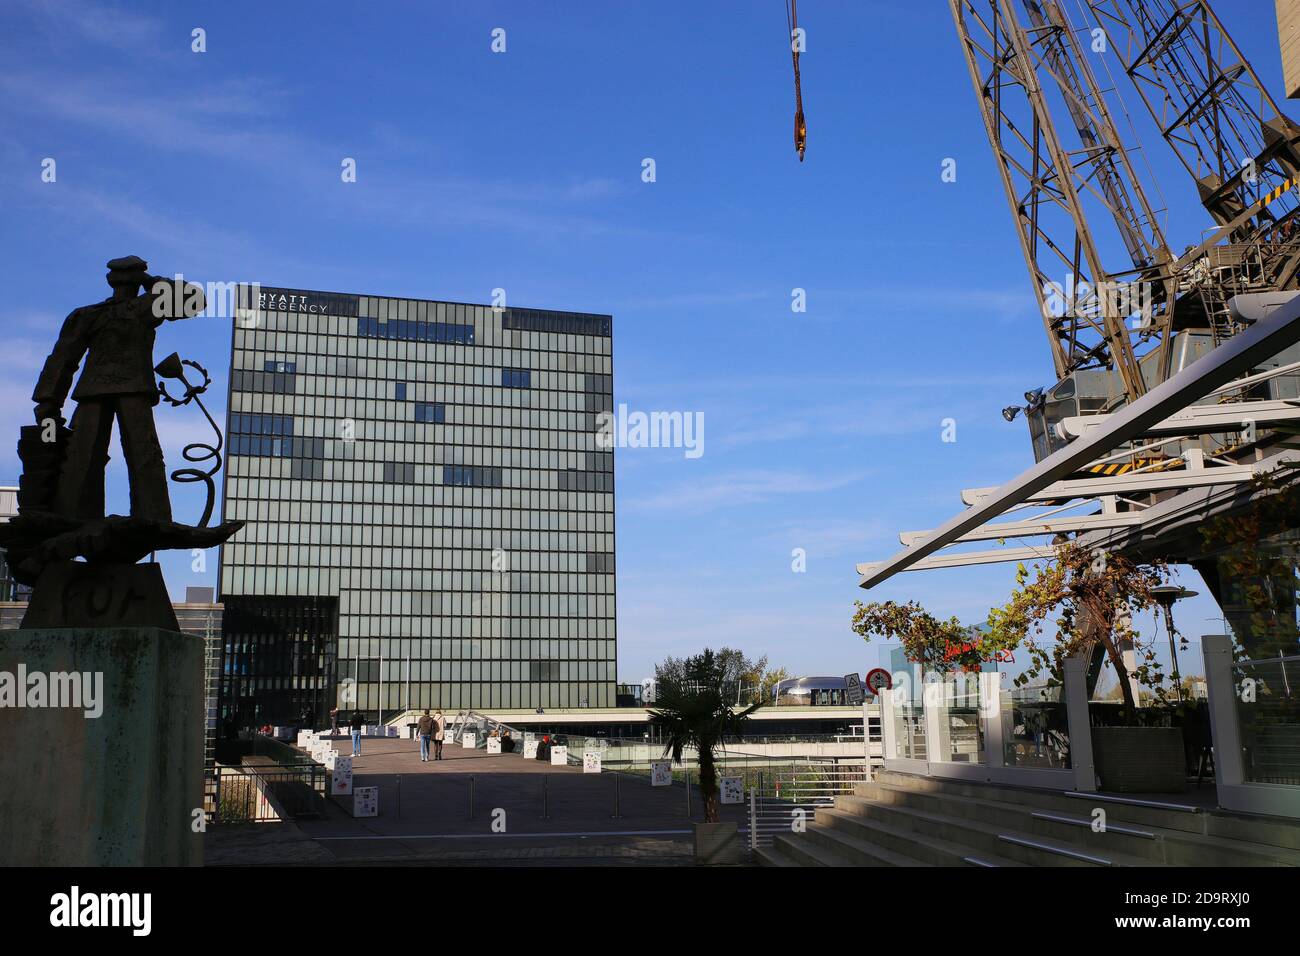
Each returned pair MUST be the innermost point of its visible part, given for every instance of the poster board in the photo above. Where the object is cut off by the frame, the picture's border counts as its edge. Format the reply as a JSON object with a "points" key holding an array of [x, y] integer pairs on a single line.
{"points": [[661, 773], [530, 747], [365, 802], [559, 756], [494, 745], [341, 777], [591, 761], [731, 790], [468, 740]]}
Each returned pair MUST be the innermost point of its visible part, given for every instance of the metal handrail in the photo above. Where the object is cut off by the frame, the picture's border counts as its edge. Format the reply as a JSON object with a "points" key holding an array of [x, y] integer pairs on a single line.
{"points": [[783, 799]]}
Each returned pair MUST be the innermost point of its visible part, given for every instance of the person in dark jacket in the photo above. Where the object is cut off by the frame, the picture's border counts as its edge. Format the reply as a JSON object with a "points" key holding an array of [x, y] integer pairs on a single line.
{"points": [[358, 722], [425, 730]]}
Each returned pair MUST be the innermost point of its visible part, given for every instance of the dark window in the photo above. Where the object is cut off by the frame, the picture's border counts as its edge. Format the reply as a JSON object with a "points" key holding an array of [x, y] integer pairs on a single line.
{"points": [[430, 412], [543, 670], [472, 475], [516, 378], [289, 367], [399, 391], [530, 320], [265, 380], [414, 331], [399, 473], [261, 434]]}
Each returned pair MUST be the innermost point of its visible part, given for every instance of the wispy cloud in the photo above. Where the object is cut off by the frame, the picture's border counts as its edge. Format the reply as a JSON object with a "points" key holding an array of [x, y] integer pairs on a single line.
{"points": [[238, 121], [831, 538], [744, 487], [691, 299], [103, 23]]}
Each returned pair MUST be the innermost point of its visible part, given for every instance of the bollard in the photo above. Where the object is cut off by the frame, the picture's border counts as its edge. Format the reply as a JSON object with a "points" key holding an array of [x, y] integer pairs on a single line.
{"points": [[617, 814], [546, 796], [399, 796], [471, 797], [688, 793]]}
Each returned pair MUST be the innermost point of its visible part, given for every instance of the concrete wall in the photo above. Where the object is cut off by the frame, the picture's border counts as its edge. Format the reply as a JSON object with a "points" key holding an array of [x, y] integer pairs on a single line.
{"points": [[116, 790]]}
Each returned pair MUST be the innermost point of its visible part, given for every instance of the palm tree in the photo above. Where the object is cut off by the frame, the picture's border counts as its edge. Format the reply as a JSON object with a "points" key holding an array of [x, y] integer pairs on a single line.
{"points": [[694, 711]]}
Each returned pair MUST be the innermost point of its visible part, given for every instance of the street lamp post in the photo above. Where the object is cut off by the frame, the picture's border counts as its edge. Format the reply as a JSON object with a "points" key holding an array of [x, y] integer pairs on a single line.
{"points": [[1166, 595]]}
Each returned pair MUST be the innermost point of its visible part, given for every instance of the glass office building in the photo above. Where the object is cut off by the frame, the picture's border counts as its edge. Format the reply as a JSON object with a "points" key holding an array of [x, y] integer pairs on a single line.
{"points": [[430, 518]]}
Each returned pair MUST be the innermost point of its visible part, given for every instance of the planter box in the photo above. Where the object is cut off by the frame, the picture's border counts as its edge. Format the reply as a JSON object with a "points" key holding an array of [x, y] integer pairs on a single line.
{"points": [[717, 844], [1140, 759]]}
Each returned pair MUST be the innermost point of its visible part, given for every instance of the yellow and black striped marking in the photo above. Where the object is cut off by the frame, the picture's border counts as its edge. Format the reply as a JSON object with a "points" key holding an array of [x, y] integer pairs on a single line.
{"points": [[1113, 468], [1276, 194]]}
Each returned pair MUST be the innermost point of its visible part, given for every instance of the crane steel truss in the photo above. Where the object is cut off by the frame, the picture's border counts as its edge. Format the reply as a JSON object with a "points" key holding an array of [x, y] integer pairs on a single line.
{"points": [[1210, 105], [1046, 185], [1226, 129]]}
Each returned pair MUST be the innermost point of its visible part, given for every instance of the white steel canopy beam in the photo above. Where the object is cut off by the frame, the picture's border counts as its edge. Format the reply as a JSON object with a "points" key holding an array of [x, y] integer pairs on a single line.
{"points": [[961, 559], [1024, 529], [1237, 356], [1197, 420], [1127, 484]]}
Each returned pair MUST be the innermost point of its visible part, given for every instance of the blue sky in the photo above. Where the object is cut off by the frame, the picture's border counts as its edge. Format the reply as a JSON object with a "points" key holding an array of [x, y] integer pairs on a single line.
{"points": [[522, 170]]}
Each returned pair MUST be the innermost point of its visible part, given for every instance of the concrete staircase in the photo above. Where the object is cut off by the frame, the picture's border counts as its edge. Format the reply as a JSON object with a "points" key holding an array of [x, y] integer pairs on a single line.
{"points": [[905, 820]]}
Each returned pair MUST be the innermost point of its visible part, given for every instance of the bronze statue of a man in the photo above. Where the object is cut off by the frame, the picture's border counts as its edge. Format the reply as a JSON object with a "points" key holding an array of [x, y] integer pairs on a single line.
{"points": [[116, 338]]}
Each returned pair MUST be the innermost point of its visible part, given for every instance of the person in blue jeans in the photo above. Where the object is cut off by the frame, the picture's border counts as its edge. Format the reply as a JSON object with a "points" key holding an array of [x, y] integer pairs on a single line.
{"points": [[358, 722], [425, 730]]}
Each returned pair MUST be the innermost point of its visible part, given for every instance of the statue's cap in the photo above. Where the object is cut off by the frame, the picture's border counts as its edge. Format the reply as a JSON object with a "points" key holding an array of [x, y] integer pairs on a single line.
{"points": [[127, 264]]}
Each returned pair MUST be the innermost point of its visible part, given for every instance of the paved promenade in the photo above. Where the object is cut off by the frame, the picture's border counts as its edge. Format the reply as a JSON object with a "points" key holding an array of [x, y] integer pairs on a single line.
{"points": [[443, 812]]}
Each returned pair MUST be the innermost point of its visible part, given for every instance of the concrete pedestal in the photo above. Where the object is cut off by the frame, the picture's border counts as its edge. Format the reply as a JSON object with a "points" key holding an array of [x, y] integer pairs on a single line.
{"points": [[119, 789]]}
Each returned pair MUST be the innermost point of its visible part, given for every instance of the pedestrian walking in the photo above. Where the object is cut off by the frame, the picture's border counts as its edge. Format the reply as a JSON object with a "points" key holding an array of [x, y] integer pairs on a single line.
{"points": [[358, 722], [439, 732], [425, 730]]}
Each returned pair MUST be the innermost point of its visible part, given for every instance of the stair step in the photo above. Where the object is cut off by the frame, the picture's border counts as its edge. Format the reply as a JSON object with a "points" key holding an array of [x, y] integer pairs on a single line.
{"points": [[809, 852], [1133, 801], [1084, 822], [1177, 816], [984, 837], [907, 820], [1191, 836], [1054, 826], [941, 852], [1067, 852], [867, 853], [771, 856]]}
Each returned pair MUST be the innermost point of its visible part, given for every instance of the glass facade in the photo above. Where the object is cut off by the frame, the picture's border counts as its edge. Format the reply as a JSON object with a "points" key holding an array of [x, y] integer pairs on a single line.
{"points": [[433, 467]]}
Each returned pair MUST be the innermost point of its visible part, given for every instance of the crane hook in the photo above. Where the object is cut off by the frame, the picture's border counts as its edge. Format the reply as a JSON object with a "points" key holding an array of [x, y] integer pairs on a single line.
{"points": [[800, 126]]}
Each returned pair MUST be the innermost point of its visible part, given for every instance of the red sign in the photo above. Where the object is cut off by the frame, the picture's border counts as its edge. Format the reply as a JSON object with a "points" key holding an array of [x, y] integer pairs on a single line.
{"points": [[956, 650], [878, 679]]}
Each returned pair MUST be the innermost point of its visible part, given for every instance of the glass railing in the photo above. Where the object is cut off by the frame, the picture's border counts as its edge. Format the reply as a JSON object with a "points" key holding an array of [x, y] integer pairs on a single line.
{"points": [[1035, 730], [639, 753], [1268, 714]]}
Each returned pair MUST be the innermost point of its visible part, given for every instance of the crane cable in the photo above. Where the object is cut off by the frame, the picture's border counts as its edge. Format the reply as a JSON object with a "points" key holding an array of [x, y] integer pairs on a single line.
{"points": [[800, 127]]}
